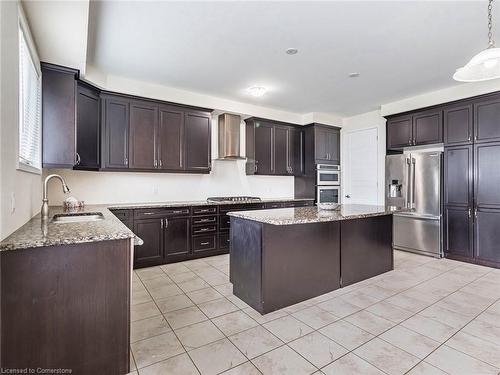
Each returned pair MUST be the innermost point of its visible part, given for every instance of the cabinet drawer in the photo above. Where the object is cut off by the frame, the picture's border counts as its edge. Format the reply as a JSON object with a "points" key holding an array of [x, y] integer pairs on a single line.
{"points": [[204, 229], [200, 220], [298, 204], [241, 207], [224, 240], [204, 243], [160, 212], [204, 210], [274, 205]]}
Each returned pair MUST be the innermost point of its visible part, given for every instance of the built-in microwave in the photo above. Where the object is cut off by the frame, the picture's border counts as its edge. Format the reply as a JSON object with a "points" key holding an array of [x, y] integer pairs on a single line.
{"points": [[328, 194], [327, 174]]}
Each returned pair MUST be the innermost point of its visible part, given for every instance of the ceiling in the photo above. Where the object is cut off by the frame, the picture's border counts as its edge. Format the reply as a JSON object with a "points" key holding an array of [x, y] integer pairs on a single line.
{"points": [[400, 49]]}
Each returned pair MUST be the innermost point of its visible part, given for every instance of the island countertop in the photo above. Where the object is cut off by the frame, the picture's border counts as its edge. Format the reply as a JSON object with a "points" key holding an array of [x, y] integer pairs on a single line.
{"points": [[35, 234], [305, 215]]}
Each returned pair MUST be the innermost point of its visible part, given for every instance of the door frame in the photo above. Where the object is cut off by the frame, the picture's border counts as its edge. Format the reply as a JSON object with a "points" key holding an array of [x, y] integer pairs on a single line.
{"points": [[344, 152]]}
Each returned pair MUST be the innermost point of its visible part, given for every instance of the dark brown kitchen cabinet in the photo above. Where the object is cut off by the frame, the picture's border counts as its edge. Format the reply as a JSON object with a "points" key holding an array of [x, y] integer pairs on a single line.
{"points": [[418, 128], [273, 148], [487, 236], [295, 152], [428, 127], [197, 141], [171, 138], [143, 135], [458, 124], [262, 149], [399, 132], [116, 132], [487, 175], [88, 129], [177, 236], [487, 119], [458, 232], [281, 156], [58, 116], [326, 144], [458, 176], [151, 252]]}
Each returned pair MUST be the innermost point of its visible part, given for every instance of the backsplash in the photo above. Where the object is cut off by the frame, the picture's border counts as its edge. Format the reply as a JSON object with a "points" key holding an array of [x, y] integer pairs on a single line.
{"points": [[227, 178]]}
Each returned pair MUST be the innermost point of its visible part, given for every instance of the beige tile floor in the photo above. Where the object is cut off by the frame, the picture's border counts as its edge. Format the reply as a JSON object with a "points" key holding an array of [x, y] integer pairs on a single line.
{"points": [[428, 316]]}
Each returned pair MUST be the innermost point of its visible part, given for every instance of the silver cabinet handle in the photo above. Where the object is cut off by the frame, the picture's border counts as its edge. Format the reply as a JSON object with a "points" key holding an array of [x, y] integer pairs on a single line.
{"points": [[161, 223], [78, 160], [155, 163], [475, 212], [149, 213], [160, 163], [204, 243], [125, 161], [470, 213]]}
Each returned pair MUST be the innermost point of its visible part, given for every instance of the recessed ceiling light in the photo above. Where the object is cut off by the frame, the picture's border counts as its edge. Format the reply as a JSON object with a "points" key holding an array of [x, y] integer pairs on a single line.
{"points": [[292, 51], [257, 91], [353, 75]]}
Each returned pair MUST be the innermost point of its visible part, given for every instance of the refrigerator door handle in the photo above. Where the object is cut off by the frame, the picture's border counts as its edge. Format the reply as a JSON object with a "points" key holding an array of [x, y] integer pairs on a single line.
{"points": [[413, 162], [408, 184]]}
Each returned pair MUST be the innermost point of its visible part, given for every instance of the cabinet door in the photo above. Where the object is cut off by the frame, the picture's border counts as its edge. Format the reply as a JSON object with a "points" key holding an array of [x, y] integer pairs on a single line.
{"points": [[150, 253], [487, 120], [281, 162], [58, 118], [171, 139], [428, 127], [142, 144], [321, 145], [198, 140], [458, 125], [458, 176], [399, 132], [116, 124], [487, 235], [87, 128], [458, 231], [334, 146], [295, 152], [176, 241], [264, 148], [487, 175]]}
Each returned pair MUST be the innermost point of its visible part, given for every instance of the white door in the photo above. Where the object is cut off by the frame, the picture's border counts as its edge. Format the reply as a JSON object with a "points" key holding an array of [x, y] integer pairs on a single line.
{"points": [[360, 169]]}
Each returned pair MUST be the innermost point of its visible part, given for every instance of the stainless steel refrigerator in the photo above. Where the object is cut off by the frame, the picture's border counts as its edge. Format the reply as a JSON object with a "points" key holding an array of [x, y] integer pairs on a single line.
{"points": [[413, 180]]}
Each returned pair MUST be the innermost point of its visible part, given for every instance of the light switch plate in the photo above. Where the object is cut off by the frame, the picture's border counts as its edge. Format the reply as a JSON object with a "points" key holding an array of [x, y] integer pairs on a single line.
{"points": [[12, 202]]}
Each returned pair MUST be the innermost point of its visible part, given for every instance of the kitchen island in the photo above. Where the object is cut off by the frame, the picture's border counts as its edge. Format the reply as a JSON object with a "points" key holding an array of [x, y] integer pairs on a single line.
{"points": [[284, 256]]}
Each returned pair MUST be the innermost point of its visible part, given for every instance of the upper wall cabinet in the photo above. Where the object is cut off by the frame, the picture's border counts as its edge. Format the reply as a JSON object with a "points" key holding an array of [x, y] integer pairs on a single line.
{"points": [[326, 144], [58, 116], [458, 124], [88, 122], [86, 128], [415, 129], [273, 148], [487, 119], [116, 114]]}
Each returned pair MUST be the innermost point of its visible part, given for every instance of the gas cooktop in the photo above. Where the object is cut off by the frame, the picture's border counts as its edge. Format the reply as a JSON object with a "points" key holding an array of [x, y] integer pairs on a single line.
{"points": [[233, 199]]}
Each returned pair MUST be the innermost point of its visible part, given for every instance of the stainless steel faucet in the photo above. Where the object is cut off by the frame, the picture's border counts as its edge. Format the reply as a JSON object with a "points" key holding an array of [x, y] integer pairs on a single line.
{"points": [[45, 205]]}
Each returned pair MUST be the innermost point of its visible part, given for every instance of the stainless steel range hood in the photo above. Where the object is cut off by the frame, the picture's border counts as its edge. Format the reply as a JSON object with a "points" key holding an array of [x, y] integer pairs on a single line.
{"points": [[229, 137]]}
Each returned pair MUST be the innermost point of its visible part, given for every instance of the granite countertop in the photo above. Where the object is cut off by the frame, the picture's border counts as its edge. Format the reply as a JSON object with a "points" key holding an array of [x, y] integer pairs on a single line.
{"points": [[124, 206], [34, 234], [305, 215]]}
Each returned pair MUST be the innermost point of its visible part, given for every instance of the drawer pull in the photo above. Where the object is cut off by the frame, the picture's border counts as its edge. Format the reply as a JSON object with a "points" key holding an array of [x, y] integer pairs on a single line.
{"points": [[204, 220], [179, 211], [204, 243], [203, 229], [150, 213], [203, 210]]}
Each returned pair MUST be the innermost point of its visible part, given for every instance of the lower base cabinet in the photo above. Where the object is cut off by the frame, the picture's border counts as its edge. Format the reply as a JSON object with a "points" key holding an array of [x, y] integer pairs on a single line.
{"points": [[175, 235], [458, 230]]}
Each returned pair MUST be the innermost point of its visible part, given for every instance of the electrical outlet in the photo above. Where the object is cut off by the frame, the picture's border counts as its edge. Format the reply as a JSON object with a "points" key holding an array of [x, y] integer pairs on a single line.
{"points": [[155, 190], [12, 202]]}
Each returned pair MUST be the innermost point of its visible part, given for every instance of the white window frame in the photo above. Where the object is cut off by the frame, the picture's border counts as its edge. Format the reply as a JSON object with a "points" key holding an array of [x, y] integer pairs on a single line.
{"points": [[24, 29]]}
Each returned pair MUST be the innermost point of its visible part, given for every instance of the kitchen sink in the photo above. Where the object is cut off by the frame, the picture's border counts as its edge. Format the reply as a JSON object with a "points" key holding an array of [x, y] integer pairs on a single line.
{"points": [[77, 218]]}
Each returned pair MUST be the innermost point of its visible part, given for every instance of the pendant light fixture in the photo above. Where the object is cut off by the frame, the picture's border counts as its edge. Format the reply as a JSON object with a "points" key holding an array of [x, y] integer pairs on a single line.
{"points": [[486, 64]]}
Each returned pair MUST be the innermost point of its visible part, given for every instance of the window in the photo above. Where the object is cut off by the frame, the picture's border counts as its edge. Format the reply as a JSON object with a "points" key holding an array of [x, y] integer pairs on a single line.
{"points": [[29, 108]]}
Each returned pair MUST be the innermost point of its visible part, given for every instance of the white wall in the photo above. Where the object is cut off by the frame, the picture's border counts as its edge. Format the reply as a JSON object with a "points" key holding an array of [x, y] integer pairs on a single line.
{"points": [[23, 186], [360, 122]]}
